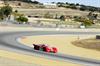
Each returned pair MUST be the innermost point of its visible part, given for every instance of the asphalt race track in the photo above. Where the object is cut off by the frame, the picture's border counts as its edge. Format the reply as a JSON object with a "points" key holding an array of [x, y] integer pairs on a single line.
{"points": [[8, 41]]}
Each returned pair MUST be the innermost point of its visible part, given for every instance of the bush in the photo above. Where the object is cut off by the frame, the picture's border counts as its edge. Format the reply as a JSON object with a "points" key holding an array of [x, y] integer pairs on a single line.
{"points": [[85, 21], [22, 19]]}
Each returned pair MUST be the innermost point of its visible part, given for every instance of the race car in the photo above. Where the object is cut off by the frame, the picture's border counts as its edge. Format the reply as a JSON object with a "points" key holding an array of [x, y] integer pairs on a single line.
{"points": [[45, 48]]}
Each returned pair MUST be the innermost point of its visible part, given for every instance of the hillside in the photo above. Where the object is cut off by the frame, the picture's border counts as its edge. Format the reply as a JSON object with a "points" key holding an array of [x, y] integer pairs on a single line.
{"points": [[18, 4], [35, 9]]}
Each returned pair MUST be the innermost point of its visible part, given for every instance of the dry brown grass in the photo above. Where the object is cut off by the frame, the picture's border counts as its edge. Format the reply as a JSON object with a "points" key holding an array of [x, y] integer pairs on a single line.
{"points": [[91, 43], [53, 12], [25, 60]]}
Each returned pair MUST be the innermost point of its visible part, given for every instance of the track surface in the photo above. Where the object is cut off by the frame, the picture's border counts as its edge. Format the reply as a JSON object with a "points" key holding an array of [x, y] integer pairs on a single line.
{"points": [[8, 41]]}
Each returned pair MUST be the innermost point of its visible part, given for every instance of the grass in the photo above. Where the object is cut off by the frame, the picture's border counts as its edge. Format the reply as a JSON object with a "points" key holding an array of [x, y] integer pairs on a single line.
{"points": [[12, 62], [55, 21], [32, 60], [61, 22], [93, 44]]}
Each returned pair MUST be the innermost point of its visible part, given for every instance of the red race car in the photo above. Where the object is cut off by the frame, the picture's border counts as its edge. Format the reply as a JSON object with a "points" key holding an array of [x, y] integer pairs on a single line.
{"points": [[45, 48]]}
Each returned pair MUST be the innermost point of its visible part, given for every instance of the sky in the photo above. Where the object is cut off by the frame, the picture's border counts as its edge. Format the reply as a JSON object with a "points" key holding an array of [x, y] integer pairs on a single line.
{"points": [[85, 2]]}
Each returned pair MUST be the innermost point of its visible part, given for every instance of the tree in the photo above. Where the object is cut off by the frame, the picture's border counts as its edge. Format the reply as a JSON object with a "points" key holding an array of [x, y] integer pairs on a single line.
{"points": [[1, 15], [62, 18], [72, 4], [35, 2], [19, 4], [67, 3], [28, 1], [95, 16], [60, 4], [6, 10], [83, 8], [16, 11], [22, 19], [77, 4], [92, 16], [53, 2]]}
